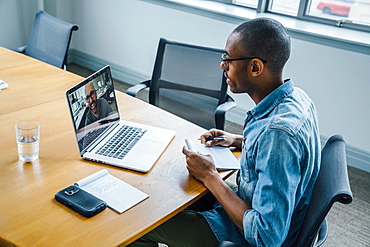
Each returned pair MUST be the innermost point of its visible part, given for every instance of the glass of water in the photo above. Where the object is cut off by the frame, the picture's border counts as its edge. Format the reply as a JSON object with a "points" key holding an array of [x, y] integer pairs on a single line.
{"points": [[28, 140]]}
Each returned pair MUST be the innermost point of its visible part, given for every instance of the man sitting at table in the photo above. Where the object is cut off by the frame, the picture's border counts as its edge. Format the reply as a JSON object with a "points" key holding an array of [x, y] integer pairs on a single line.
{"points": [[98, 108], [280, 153]]}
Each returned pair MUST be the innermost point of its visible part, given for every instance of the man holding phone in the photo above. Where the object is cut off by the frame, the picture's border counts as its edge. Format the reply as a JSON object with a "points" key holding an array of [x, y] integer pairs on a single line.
{"points": [[280, 153]]}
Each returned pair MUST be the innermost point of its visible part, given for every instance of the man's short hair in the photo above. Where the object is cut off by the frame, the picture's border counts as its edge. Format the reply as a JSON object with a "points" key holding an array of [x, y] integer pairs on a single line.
{"points": [[267, 39]]}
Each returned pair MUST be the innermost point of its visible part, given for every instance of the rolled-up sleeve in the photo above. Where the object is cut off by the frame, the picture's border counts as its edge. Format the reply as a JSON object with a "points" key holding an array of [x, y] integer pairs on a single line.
{"points": [[277, 167]]}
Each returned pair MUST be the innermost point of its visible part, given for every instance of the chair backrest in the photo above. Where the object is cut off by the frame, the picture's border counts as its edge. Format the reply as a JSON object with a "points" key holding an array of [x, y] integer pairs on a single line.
{"points": [[188, 81], [332, 185], [49, 39]]}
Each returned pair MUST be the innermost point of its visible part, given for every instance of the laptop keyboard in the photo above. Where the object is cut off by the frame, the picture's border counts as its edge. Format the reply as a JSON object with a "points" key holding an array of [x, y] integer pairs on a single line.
{"points": [[122, 142], [90, 137]]}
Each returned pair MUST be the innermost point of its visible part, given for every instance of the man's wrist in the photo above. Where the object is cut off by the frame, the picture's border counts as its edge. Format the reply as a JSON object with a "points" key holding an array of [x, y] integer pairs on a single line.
{"points": [[238, 140], [213, 181]]}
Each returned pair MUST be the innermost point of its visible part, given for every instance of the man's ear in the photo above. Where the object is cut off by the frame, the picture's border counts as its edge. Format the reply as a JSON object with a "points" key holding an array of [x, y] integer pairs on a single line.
{"points": [[257, 67]]}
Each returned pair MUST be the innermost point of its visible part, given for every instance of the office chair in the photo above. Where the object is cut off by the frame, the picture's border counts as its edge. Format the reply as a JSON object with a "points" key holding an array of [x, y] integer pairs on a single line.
{"points": [[332, 185], [188, 82], [49, 39]]}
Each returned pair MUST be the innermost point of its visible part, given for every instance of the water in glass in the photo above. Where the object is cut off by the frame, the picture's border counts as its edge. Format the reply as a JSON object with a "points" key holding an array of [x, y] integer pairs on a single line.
{"points": [[28, 148]]}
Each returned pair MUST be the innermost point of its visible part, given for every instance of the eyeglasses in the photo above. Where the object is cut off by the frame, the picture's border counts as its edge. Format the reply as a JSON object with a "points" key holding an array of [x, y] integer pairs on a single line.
{"points": [[225, 59], [91, 95]]}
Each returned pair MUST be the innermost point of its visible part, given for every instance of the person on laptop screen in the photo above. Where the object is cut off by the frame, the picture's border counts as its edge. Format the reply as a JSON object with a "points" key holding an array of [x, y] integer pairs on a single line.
{"points": [[98, 107]]}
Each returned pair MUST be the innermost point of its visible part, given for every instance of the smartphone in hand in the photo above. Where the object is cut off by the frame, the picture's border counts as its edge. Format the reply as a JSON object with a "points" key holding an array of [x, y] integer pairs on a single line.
{"points": [[81, 201]]}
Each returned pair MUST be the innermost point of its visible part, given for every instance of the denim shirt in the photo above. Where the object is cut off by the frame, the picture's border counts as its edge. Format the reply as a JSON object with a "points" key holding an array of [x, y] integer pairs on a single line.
{"points": [[279, 166]]}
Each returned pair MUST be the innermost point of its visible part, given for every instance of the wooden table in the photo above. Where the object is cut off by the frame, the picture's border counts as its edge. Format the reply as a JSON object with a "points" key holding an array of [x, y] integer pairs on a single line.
{"points": [[30, 216]]}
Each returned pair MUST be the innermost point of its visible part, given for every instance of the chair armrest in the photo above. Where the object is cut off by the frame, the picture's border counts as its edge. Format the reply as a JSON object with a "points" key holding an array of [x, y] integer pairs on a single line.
{"points": [[135, 89], [21, 49], [227, 244], [323, 233], [221, 110]]}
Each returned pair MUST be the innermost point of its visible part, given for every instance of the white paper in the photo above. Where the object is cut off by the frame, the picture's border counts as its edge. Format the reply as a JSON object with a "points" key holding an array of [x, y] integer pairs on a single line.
{"points": [[222, 156], [119, 195], [92, 177]]}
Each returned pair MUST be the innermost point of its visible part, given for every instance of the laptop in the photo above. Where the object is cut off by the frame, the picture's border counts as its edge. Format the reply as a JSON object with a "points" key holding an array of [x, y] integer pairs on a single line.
{"points": [[101, 134]]}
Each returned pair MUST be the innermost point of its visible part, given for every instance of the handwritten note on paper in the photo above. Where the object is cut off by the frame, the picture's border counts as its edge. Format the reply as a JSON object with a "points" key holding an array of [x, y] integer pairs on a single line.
{"points": [[119, 195]]}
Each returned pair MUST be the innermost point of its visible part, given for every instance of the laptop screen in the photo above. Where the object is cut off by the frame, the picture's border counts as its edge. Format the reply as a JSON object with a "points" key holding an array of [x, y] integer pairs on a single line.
{"points": [[93, 106]]}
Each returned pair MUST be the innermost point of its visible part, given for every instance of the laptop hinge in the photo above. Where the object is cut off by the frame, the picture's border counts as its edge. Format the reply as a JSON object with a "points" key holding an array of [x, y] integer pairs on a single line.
{"points": [[101, 137]]}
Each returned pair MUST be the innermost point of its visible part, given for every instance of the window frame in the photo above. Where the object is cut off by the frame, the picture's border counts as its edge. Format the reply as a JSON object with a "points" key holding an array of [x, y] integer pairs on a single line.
{"points": [[264, 7], [224, 1], [332, 36]]}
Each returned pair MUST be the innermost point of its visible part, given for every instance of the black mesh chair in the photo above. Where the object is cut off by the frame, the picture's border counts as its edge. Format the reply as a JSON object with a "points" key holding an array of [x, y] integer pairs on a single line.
{"points": [[49, 39], [188, 82], [332, 186]]}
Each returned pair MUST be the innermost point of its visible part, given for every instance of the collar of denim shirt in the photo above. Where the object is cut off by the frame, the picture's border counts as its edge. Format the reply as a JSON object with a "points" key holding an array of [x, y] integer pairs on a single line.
{"points": [[272, 100]]}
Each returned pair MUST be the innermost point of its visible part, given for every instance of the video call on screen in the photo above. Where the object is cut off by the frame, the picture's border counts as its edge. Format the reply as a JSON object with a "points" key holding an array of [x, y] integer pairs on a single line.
{"points": [[78, 99]]}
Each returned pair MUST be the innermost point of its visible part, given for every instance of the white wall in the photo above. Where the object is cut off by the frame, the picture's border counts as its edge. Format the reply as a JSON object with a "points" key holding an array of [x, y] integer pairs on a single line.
{"points": [[16, 19], [338, 82], [126, 33]]}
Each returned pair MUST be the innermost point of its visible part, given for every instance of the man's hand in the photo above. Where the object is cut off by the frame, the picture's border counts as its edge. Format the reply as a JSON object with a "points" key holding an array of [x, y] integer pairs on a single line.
{"points": [[201, 166], [228, 141], [203, 169]]}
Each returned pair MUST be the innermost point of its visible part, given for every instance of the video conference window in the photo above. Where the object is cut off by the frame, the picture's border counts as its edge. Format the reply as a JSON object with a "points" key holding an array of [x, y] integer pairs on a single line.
{"points": [[93, 102]]}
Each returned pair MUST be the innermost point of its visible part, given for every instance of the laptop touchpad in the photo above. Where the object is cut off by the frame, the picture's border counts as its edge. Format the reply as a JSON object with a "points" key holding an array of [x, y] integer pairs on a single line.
{"points": [[149, 146]]}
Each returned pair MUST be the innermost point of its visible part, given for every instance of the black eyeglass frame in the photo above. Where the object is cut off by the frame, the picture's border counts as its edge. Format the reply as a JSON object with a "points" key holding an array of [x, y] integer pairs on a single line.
{"points": [[223, 59], [90, 95]]}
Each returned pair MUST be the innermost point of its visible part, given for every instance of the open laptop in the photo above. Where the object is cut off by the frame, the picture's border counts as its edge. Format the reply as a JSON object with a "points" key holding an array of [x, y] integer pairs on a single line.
{"points": [[102, 136]]}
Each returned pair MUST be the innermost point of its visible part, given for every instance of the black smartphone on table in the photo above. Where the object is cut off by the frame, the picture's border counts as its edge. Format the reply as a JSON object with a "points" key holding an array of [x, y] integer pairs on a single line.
{"points": [[81, 201]]}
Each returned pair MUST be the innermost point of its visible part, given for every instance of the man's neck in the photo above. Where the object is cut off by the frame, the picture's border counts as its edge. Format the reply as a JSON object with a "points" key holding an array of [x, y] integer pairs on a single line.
{"points": [[266, 87]]}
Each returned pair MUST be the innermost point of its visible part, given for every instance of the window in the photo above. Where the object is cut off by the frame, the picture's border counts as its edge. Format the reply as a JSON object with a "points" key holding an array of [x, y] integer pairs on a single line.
{"points": [[288, 7], [354, 14], [247, 3], [342, 11]]}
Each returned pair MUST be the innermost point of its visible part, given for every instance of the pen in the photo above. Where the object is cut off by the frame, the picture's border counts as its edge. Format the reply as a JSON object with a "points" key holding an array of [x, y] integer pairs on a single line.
{"points": [[216, 138]]}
